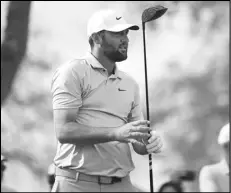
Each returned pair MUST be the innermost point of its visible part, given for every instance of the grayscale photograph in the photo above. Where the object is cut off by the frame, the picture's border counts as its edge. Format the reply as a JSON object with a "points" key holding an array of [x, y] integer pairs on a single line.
{"points": [[115, 96]]}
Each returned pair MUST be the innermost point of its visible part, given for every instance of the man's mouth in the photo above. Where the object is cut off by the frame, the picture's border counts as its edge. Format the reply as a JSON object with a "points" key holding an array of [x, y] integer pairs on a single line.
{"points": [[123, 48]]}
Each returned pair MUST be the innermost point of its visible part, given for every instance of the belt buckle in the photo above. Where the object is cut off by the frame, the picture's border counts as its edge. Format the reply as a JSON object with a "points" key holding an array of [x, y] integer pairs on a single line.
{"points": [[104, 180], [115, 179]]}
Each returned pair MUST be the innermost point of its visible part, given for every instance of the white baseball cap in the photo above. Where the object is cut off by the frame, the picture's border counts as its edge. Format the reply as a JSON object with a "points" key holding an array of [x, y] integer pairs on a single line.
{"points": [[224, 134], [109, 20], [3, 158]]}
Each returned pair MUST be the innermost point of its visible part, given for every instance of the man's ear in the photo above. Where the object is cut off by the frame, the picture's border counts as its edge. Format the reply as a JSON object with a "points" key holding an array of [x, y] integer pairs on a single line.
{"points": [[97, 38]]}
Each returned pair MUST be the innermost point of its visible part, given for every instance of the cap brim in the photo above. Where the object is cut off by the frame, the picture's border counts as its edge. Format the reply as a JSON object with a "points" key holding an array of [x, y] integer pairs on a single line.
{"points": [[121, 27]]}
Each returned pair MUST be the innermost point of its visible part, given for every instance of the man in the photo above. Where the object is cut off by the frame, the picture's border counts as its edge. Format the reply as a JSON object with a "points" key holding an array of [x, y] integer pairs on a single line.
{"points": [[51, 175], [4, 188], [185, 178], [215, 178], [3, 166], [97, 113], [171, 186], [179, 181]]}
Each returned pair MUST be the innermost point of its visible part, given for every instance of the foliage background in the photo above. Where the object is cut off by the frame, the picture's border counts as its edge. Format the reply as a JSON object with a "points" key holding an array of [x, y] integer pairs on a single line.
{"points": [[188, 71]]}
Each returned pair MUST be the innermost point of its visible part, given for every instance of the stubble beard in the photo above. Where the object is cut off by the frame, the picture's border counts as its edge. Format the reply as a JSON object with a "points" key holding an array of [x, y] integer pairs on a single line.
{"points": [[113, 54]]}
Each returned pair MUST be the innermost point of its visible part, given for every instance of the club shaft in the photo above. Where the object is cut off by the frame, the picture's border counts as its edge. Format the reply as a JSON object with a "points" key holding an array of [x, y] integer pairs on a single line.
{"points": [[147, 106]]}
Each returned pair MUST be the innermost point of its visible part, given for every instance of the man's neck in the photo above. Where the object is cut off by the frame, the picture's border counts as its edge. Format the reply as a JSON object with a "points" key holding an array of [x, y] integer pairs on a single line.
{"points": [[106, 63]]}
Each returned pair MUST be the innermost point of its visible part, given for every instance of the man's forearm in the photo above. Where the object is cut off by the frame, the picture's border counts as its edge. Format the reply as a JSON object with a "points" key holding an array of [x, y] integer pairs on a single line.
{"points": [[75, 133]]}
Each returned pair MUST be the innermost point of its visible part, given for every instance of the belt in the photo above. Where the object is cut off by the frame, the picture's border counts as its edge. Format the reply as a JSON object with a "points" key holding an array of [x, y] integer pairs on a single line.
{"points": [[85, 177]]}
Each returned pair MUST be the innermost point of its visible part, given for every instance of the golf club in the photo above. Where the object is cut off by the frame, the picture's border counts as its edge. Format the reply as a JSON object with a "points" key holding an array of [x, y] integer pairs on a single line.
{"points": [[150, 14]]}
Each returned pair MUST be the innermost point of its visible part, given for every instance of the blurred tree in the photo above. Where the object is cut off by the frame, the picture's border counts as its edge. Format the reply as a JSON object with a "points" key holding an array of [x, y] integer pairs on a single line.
{"points": [[14, 45], [186, 106]]}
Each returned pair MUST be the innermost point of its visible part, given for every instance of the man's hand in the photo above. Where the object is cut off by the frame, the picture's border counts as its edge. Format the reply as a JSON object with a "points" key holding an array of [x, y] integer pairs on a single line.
{"points": [[154, 143], [132, 132]]}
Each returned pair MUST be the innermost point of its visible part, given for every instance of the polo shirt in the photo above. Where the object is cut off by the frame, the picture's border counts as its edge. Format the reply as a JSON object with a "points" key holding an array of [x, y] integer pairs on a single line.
{"points": [[215, 177], [102, 101]]}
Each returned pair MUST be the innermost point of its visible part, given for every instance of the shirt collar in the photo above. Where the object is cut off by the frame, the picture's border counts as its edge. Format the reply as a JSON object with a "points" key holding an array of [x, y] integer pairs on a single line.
{"points": [[91, 59], [225, 167]]}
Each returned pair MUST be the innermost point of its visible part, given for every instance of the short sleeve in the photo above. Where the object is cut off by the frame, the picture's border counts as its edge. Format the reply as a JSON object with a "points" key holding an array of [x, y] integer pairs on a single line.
{"points": [[136, 111], [206, 181], [66, 89]]}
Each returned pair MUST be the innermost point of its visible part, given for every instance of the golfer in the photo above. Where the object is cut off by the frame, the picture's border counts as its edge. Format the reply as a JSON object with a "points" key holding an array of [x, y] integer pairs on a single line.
{"points": [[4, 187], [97, 113], [215, 177]]}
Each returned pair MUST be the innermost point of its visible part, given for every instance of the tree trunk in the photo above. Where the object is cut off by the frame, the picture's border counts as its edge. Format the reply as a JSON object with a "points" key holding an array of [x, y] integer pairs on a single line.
{"points": [[14, 45]]}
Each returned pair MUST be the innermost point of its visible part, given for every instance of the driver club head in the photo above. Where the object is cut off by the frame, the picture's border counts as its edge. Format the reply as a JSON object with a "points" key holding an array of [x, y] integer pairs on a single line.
{"points": [[153, 13]]}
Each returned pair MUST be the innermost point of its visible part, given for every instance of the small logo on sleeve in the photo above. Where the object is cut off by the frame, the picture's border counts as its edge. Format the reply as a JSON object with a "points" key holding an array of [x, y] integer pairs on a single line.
{"points": [[118, 18]]}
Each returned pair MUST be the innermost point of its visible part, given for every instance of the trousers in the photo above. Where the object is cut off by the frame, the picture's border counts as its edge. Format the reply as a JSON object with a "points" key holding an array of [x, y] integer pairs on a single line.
{"points": [[66, 184], [72, 181]]}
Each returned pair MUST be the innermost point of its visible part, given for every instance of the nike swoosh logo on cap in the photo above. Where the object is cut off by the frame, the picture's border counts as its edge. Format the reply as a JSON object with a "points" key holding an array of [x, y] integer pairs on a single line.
{"points": [[118, 18], [119, 89]]}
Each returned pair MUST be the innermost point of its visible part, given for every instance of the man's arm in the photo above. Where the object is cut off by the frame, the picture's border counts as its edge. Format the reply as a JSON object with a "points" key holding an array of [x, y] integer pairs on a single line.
{"points": [[69, 131], [143, 147], [146, 145], [67, 87], [136, 114], [206, 182]]}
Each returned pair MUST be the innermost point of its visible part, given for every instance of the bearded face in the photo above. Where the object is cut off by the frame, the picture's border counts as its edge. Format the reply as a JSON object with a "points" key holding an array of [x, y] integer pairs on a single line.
{"points": [[115, 45]]}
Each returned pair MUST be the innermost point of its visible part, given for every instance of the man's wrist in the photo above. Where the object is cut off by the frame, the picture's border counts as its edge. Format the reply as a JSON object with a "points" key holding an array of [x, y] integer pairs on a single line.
{"points": [[113, 135]]}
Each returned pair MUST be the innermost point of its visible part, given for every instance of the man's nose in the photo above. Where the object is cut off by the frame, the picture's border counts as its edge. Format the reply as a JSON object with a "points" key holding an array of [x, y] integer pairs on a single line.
{"points": [[125, 39]]}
